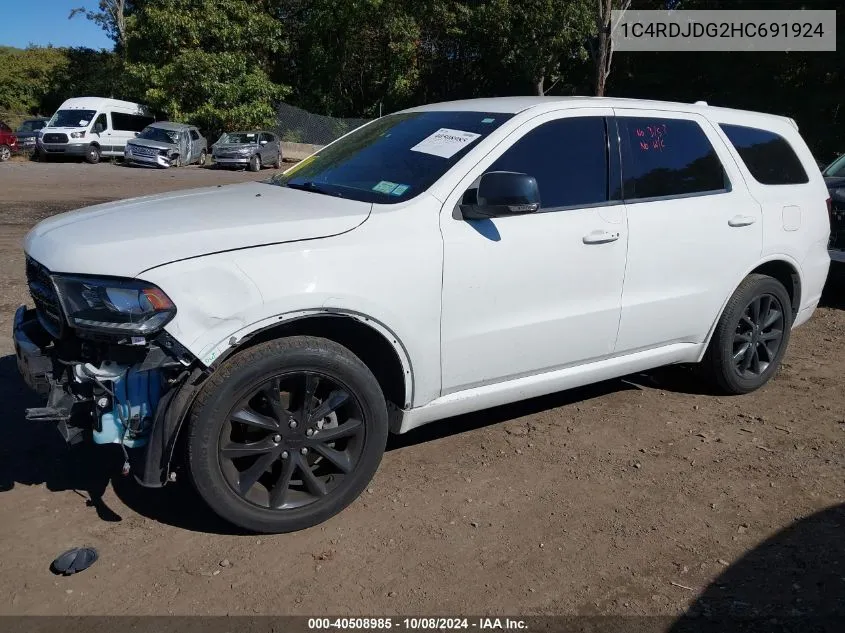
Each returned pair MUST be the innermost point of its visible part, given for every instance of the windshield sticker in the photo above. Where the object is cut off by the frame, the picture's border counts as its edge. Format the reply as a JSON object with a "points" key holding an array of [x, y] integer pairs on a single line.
{"points": [[385, 186], [399, 190], [445, 142], [487, 120]]}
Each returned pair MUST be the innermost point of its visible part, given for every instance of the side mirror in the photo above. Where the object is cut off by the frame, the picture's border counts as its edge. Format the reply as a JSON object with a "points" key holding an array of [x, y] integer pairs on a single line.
{"points": [[98, 128], [264, 142], [503, 193]]}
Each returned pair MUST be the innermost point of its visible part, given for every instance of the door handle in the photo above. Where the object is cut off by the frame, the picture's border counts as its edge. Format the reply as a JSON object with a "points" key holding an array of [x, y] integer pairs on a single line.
{"points": [[742, 220], [600, 237]]}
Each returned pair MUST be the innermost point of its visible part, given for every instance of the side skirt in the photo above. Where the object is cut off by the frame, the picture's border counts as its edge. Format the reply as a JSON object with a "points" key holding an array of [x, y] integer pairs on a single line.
{"points": [[498, 394]]}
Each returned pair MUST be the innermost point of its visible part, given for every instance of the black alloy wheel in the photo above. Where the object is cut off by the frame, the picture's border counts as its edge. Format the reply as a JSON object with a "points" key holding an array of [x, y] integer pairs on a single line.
{"points": [[286, 434]]}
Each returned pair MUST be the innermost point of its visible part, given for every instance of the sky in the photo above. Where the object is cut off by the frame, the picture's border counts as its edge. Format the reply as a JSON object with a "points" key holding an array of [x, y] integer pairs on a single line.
{"points": [[44, 22]]}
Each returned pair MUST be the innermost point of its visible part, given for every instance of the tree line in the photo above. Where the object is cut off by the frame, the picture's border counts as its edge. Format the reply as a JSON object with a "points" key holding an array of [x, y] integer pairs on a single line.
{"points": [[222, 64]]}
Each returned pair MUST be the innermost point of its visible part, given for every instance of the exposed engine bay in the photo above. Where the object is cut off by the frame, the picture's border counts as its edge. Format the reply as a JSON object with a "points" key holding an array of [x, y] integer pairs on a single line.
{"points": [[114, 380]]}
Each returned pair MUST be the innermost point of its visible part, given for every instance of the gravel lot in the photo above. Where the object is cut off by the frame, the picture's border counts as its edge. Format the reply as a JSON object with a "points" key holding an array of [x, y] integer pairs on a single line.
{"points": [[643, 496]]}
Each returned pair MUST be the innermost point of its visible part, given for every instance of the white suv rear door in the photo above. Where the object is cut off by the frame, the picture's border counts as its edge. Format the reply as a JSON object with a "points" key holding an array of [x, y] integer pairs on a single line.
{"points": [[532, 293], [694, 229]]}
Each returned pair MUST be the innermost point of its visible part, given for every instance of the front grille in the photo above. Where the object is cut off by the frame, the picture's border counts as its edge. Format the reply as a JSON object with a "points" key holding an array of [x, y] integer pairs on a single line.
{"points": [[54, 138], [228, 155], [144, 151], [44, 295]]}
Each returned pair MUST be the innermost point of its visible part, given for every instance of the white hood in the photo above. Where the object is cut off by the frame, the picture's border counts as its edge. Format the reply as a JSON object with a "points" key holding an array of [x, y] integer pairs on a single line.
{"points": [[125, 238]]}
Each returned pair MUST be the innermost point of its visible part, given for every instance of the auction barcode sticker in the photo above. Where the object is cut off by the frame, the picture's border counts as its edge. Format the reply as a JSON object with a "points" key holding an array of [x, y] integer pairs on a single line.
{"points": [[445, 142]]}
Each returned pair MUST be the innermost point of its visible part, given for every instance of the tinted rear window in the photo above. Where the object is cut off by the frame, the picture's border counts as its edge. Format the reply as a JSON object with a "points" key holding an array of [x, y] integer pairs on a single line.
{"points": [[667, 157], [768, 156]]}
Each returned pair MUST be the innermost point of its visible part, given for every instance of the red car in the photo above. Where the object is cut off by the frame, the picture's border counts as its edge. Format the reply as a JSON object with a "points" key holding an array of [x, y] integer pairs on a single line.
{"points": [[8, 142]]}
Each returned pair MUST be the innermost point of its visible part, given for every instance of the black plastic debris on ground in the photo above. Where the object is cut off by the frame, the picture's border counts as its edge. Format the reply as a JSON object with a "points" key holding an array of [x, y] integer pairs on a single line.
{"points": [[73, 561]]}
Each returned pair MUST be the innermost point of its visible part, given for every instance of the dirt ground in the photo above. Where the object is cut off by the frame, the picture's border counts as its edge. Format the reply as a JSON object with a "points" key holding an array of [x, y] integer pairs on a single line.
{"points": [[643, 496]]}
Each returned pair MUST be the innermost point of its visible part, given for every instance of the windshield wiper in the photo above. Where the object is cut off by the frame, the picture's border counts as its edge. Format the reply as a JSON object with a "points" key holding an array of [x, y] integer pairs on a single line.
{"points": [[313, 186]]}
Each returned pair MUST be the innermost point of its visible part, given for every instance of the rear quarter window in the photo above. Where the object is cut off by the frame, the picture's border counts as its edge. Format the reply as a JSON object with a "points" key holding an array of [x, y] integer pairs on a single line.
{"points": [[767, 155]]}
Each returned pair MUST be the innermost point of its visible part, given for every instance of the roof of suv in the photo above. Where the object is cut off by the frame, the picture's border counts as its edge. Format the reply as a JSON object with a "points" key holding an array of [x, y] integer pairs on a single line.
{"points": [[514, 105]]}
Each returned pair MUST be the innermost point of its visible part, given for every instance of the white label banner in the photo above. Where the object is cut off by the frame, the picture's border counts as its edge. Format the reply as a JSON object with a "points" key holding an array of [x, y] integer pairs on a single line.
{"points": [[445, 142]]}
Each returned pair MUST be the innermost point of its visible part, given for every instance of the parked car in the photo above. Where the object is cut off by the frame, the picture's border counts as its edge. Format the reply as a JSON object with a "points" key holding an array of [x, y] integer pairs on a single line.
{"points": [[834, 177], [8, 142], [437, 261], [28, 132], [166, 144], [252, 150], [92, 127]]}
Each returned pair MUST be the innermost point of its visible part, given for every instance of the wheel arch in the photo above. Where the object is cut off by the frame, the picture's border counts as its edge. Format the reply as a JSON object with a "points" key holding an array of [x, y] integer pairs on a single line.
{"points": [[781, 267], [374, 343]]}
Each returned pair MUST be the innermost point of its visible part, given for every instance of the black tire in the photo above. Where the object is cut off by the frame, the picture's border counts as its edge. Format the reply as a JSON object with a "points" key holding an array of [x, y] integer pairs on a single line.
{"points": [[243, 493], [203, 158], [92, 156], [5, 153], [739, 341], [254, 163], [278, 162]]}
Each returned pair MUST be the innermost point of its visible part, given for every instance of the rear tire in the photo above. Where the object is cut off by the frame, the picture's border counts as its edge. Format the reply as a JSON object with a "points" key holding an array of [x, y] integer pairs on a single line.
{"points": [[751, 337], [203, 158], [278, 162], [254, 163], [92, 156], [286, 434]]}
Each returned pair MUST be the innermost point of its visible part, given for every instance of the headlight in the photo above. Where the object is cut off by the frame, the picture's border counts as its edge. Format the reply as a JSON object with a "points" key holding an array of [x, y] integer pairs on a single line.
{"points": [[77, 134], [124, 306]]}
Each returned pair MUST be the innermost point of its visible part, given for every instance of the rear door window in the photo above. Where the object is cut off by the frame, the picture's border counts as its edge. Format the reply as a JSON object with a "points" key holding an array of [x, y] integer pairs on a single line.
{"points": [[664, 157], [195, 135], [768, 156]]}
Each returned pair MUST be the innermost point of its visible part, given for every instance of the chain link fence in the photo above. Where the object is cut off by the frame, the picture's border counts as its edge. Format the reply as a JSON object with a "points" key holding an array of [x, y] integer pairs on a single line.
{"points": [[295, 125]]}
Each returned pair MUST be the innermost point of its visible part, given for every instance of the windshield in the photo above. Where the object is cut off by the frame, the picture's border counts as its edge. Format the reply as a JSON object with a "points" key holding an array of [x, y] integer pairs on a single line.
{"points": [[238, 138], [72, 118], [837, 168], [394, 158], [153, 133], [31, 126]]}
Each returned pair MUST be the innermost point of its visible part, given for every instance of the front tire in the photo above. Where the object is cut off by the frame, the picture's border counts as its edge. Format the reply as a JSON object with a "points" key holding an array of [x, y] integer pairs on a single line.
{"points": [[254, 163], [92, 156], [751, 337], [286, 434], [5, 153]]}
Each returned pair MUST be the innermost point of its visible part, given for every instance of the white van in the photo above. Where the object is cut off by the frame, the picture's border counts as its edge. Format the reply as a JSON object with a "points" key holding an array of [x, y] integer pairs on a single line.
{"points": [[92, 127]]}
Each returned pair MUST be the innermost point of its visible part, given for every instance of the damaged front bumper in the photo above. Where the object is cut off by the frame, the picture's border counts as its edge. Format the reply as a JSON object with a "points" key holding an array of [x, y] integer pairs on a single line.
{"points": [[135, 396]]}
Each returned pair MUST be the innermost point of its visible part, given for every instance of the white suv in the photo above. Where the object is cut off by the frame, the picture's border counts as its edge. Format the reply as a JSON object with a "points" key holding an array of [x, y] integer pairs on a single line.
{"points": [[436, 261]]}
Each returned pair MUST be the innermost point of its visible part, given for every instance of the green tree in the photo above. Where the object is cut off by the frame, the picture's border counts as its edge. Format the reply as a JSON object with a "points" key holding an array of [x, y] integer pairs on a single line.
{"points": [[27, 75], [349, 57], [206, 61]]}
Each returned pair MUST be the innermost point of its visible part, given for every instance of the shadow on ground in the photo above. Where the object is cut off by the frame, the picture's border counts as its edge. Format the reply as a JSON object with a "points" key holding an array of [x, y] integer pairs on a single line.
{"points": [[793, 581], [833, 295]]}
